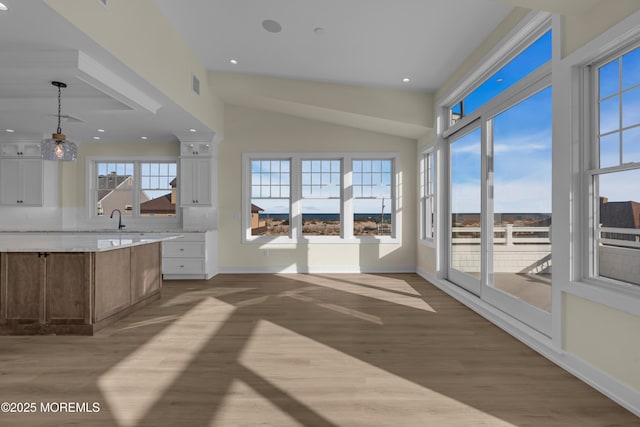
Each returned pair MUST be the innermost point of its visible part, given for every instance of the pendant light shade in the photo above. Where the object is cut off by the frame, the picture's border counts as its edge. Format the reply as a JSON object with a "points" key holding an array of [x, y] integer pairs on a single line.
{"points": [[58, 147]]}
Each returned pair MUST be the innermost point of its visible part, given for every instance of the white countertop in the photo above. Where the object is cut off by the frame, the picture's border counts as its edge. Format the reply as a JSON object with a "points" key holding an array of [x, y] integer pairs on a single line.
{"points": [[76, 241]]}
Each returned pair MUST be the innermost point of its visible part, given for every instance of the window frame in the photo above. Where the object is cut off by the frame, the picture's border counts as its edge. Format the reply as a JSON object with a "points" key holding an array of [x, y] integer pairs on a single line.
{"points": [[589, 121], [346, 198], [135, 220], [428, 202]]}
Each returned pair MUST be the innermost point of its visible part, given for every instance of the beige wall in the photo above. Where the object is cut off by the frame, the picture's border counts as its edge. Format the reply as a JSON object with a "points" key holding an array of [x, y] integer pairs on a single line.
{"points": [[580, 29], [603, 337], [392, 111], [251, 130], [137, 34]]}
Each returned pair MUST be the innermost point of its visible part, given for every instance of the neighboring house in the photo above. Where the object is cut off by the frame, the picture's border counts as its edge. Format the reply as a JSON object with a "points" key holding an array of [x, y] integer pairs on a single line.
{"points": [[619, 214], [163, 205], [255, 217], [115, 192]]}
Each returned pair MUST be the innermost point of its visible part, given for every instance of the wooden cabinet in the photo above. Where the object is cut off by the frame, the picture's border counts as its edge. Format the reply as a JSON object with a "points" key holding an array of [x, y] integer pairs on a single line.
{"points": [[21, 182], [190, 257], [196, 182], [75, 292]]}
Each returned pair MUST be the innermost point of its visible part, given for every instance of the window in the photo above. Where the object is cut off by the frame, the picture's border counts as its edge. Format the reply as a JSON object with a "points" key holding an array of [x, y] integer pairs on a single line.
{"points": [[530, 59], [315, 197], [615, 226], [136, 188], [270, 197], [497, 181], [321, 197], [372, 197], [427, 194]]}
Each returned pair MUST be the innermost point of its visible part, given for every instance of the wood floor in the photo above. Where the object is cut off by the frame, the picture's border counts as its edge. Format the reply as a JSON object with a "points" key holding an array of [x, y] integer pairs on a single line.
{"points": [[298, 350]]}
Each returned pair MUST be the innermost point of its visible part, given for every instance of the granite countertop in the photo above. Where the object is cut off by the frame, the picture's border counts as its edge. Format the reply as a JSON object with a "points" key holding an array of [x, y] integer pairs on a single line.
{"points": [[77, 241]]}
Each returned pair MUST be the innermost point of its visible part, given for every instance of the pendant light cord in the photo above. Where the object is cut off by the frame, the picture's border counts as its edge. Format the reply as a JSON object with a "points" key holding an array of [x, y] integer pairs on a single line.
{"points": [[59, 111]]}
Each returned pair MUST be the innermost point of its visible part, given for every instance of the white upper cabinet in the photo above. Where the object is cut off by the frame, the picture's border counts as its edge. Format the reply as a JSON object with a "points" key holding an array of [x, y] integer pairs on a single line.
{"points": [[21, 182], [194, 149], [195, 182], [20, 149]]}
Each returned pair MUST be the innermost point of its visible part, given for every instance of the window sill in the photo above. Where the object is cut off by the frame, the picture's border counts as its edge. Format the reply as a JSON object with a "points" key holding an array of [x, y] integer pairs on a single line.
{"points": [[332, 240], [616, 295], [429, 243]]}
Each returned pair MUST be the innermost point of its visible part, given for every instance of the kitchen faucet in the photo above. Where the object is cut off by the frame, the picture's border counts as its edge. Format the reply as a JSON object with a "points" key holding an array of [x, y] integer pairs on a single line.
{"points": [[120, 224]]}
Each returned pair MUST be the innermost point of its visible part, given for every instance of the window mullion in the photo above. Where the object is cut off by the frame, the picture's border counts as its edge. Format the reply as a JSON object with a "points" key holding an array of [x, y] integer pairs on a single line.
{"points": [[347, 198]]}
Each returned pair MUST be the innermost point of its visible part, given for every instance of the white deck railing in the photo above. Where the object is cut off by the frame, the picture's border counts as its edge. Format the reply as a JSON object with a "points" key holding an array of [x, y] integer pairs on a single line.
{"points": [[505, 235], [509, 235], [613, 237]]}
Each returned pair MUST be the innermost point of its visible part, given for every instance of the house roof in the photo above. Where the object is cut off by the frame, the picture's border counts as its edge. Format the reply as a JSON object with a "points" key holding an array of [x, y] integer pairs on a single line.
{"points": [[620, 214], [159, 205], [256, 208], [110, 182]]}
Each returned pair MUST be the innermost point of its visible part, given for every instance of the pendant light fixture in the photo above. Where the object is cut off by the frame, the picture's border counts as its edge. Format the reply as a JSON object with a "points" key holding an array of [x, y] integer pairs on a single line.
{"points": [[58, 147]]}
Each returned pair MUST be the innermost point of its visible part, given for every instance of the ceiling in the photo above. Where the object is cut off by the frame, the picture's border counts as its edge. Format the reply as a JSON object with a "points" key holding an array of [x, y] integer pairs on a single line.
{"points": [[359, 42], [38, 46], [363, 42]]}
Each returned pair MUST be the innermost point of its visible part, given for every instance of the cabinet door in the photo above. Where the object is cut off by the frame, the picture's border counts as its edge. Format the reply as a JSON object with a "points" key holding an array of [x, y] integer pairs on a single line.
{"points": [[68, 288], [22, 287], [31, 178], [187, 183], [10, 190], [10, 150], [203, 182], [195, 182]]}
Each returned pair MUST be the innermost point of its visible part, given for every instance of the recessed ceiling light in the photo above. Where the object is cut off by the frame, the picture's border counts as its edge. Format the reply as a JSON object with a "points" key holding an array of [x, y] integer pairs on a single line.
{"points": [[100, 130], [406, 80], [271, 26], [96, 137], [234, 61], [192, 130], [9, 130], [3, 7], [143, 137]]}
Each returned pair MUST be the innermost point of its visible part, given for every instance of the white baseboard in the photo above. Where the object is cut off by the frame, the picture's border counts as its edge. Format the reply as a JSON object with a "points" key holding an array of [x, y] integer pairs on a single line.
{"points": [[292, 269], [620, 393]]}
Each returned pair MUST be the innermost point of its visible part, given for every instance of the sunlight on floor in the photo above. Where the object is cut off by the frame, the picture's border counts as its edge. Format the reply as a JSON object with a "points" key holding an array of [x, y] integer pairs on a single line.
{"points": [[402, 293], [243, 406], [338, 388], [133, 386]]}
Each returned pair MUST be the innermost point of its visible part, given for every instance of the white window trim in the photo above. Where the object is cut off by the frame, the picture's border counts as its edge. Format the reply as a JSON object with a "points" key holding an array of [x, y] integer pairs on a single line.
{"points": [[423, 213], [575, 88], [346, 193], [533, 26], [131, 223]]}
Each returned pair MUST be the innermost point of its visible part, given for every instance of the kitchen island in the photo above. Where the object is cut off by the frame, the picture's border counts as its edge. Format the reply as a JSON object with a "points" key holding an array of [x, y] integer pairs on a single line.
{"points": [[76, 283]]}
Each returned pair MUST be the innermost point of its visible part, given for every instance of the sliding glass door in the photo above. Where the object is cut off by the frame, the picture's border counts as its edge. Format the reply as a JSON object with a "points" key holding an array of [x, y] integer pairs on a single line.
{"points": [[465, 199]]}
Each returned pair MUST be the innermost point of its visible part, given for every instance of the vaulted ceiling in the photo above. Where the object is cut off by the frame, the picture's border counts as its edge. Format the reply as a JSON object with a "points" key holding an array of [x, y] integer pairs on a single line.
{"points": [[357, 42]]}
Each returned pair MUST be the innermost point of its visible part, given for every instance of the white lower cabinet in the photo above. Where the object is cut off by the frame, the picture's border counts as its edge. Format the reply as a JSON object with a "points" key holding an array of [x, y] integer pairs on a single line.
{"points": [[192, 256]]}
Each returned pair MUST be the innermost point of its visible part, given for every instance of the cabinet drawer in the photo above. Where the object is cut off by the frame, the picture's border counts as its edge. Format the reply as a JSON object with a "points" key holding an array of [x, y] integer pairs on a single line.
{"points": [[183, 250], [182, 266]]}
